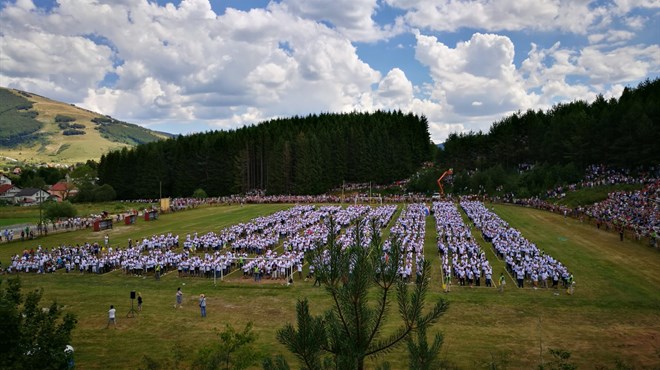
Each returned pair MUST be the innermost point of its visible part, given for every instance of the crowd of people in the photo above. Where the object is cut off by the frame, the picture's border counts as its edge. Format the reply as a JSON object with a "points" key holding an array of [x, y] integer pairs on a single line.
{"points": [[523, 259], [601, 175], [248, 246], [251, 247], [409, 231], [635, 212], [456, 244]]}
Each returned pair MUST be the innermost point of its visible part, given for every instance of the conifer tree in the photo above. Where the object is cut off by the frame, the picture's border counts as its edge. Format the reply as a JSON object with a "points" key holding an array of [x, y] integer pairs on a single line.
{"points": [[362, 282]]}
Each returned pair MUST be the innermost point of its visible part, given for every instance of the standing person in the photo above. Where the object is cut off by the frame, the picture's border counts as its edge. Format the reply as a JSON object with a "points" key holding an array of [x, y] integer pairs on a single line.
{"points": [[139, 302], [112, 317], [502, 283], [520, 274], [571, 285], [202, 304], [489, 276], [179, 298]]}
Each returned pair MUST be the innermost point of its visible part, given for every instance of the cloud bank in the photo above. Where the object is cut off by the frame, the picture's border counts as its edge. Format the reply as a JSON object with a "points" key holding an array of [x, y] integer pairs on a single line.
{"points": [[188, 67]]}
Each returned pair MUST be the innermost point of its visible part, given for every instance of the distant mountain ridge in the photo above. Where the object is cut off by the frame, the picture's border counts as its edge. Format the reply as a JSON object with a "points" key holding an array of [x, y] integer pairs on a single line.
{"points": [[35, 129]]}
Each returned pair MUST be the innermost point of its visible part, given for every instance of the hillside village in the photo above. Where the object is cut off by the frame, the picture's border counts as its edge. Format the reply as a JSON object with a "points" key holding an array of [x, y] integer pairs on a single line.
{"points": [[12, 194]]}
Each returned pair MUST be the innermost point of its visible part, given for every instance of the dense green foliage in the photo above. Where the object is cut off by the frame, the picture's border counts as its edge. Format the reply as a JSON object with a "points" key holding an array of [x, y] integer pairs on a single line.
{"points": [[619, 133], [299, 155], [17, 121], [560, 143], [32, 337], [55, 210], [39, 177], [95, 193]]}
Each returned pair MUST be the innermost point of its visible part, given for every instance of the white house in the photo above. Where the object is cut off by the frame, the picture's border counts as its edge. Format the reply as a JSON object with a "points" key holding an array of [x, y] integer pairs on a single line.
{"points": [[30, 196], [7, 192], [4, 180]]}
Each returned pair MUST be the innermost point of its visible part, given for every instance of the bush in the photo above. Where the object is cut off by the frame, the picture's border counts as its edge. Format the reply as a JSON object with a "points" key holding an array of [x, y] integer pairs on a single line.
{"points": [[67, 125], [63, 118], [56, 210], [70, 132], [30, 114], [199, 194], [102, 120], [25, 106]]}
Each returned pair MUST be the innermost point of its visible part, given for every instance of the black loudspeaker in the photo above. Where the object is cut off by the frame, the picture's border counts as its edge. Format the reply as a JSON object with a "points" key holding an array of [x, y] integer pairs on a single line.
{"points": [[132, 294]]}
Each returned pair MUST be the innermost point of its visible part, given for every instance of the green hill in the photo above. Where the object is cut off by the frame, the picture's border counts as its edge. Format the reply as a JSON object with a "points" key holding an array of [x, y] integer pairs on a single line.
{"points": [[35, 129]]}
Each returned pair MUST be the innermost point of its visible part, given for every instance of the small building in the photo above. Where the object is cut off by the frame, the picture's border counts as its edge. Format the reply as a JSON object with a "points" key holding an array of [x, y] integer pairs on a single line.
{"points": [[31, 196], [63, 190], [7, 193], [4, 180]]}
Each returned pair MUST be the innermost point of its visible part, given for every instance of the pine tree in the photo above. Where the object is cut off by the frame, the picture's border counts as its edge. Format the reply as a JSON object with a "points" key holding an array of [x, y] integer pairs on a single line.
{"points": [[351, 331]]}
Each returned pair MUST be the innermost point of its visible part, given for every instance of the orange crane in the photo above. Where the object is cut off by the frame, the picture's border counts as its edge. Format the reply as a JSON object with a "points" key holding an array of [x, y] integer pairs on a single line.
{"points": [[444, 174]]}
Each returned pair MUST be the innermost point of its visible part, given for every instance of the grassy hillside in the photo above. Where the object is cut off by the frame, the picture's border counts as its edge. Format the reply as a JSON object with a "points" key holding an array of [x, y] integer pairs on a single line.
{"points": [[55, 132], [613, 318], [17, 119]]}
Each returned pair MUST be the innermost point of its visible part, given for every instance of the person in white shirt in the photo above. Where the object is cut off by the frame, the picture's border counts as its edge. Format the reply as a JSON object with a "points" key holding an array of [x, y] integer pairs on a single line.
{"points": [[111, 317]]}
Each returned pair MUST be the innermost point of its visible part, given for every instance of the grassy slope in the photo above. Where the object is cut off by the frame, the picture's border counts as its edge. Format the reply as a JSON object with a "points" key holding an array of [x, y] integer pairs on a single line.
{"points": [[615, 313], [61, 148]]}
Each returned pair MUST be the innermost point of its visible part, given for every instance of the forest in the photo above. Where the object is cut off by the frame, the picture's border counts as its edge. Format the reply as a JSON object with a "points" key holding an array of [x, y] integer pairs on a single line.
{"points": [[298, 155], [531, 152], [525, 153]]}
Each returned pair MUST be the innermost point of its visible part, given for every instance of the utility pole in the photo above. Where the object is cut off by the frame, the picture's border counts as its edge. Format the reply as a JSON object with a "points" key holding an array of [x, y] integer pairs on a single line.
{"points": [[41, 202]]}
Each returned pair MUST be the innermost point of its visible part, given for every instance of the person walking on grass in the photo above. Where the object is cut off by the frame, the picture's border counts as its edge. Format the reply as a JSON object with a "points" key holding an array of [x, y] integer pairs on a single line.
{"points": [[502, 283]]}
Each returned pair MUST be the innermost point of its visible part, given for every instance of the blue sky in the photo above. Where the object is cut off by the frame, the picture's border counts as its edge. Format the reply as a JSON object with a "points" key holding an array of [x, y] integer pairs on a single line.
{"points": [[197, 65]]}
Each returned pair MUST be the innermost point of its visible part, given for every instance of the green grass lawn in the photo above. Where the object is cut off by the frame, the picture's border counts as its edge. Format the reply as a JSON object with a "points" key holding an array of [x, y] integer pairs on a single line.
{"points": [[613, 316], [12, 215]]}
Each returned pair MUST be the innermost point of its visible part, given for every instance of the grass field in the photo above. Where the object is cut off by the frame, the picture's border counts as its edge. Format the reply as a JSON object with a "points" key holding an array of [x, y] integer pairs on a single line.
{"points": [[613, 317]]}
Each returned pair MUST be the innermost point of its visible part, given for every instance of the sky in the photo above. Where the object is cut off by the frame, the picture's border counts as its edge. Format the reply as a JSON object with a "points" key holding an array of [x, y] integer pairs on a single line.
{"points": [[199, 65]]}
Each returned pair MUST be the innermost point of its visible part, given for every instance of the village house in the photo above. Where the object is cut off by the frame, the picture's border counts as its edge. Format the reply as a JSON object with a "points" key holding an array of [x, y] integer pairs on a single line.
{"points": [[63, 190], [4, 180], [31, 196], [7, 193]]}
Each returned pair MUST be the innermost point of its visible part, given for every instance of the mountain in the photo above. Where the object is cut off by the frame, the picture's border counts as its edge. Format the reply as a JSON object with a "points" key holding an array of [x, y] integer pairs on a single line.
{"points": [[35, 129]]}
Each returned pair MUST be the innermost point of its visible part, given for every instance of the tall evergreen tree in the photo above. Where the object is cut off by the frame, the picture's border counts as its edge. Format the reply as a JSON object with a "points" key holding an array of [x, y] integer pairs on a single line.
{"points": [[360, 282]]}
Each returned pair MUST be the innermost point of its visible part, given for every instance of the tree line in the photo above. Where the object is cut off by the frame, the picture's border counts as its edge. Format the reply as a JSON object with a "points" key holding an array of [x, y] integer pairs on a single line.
{"points": [[297, 155], [530, 152]]}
